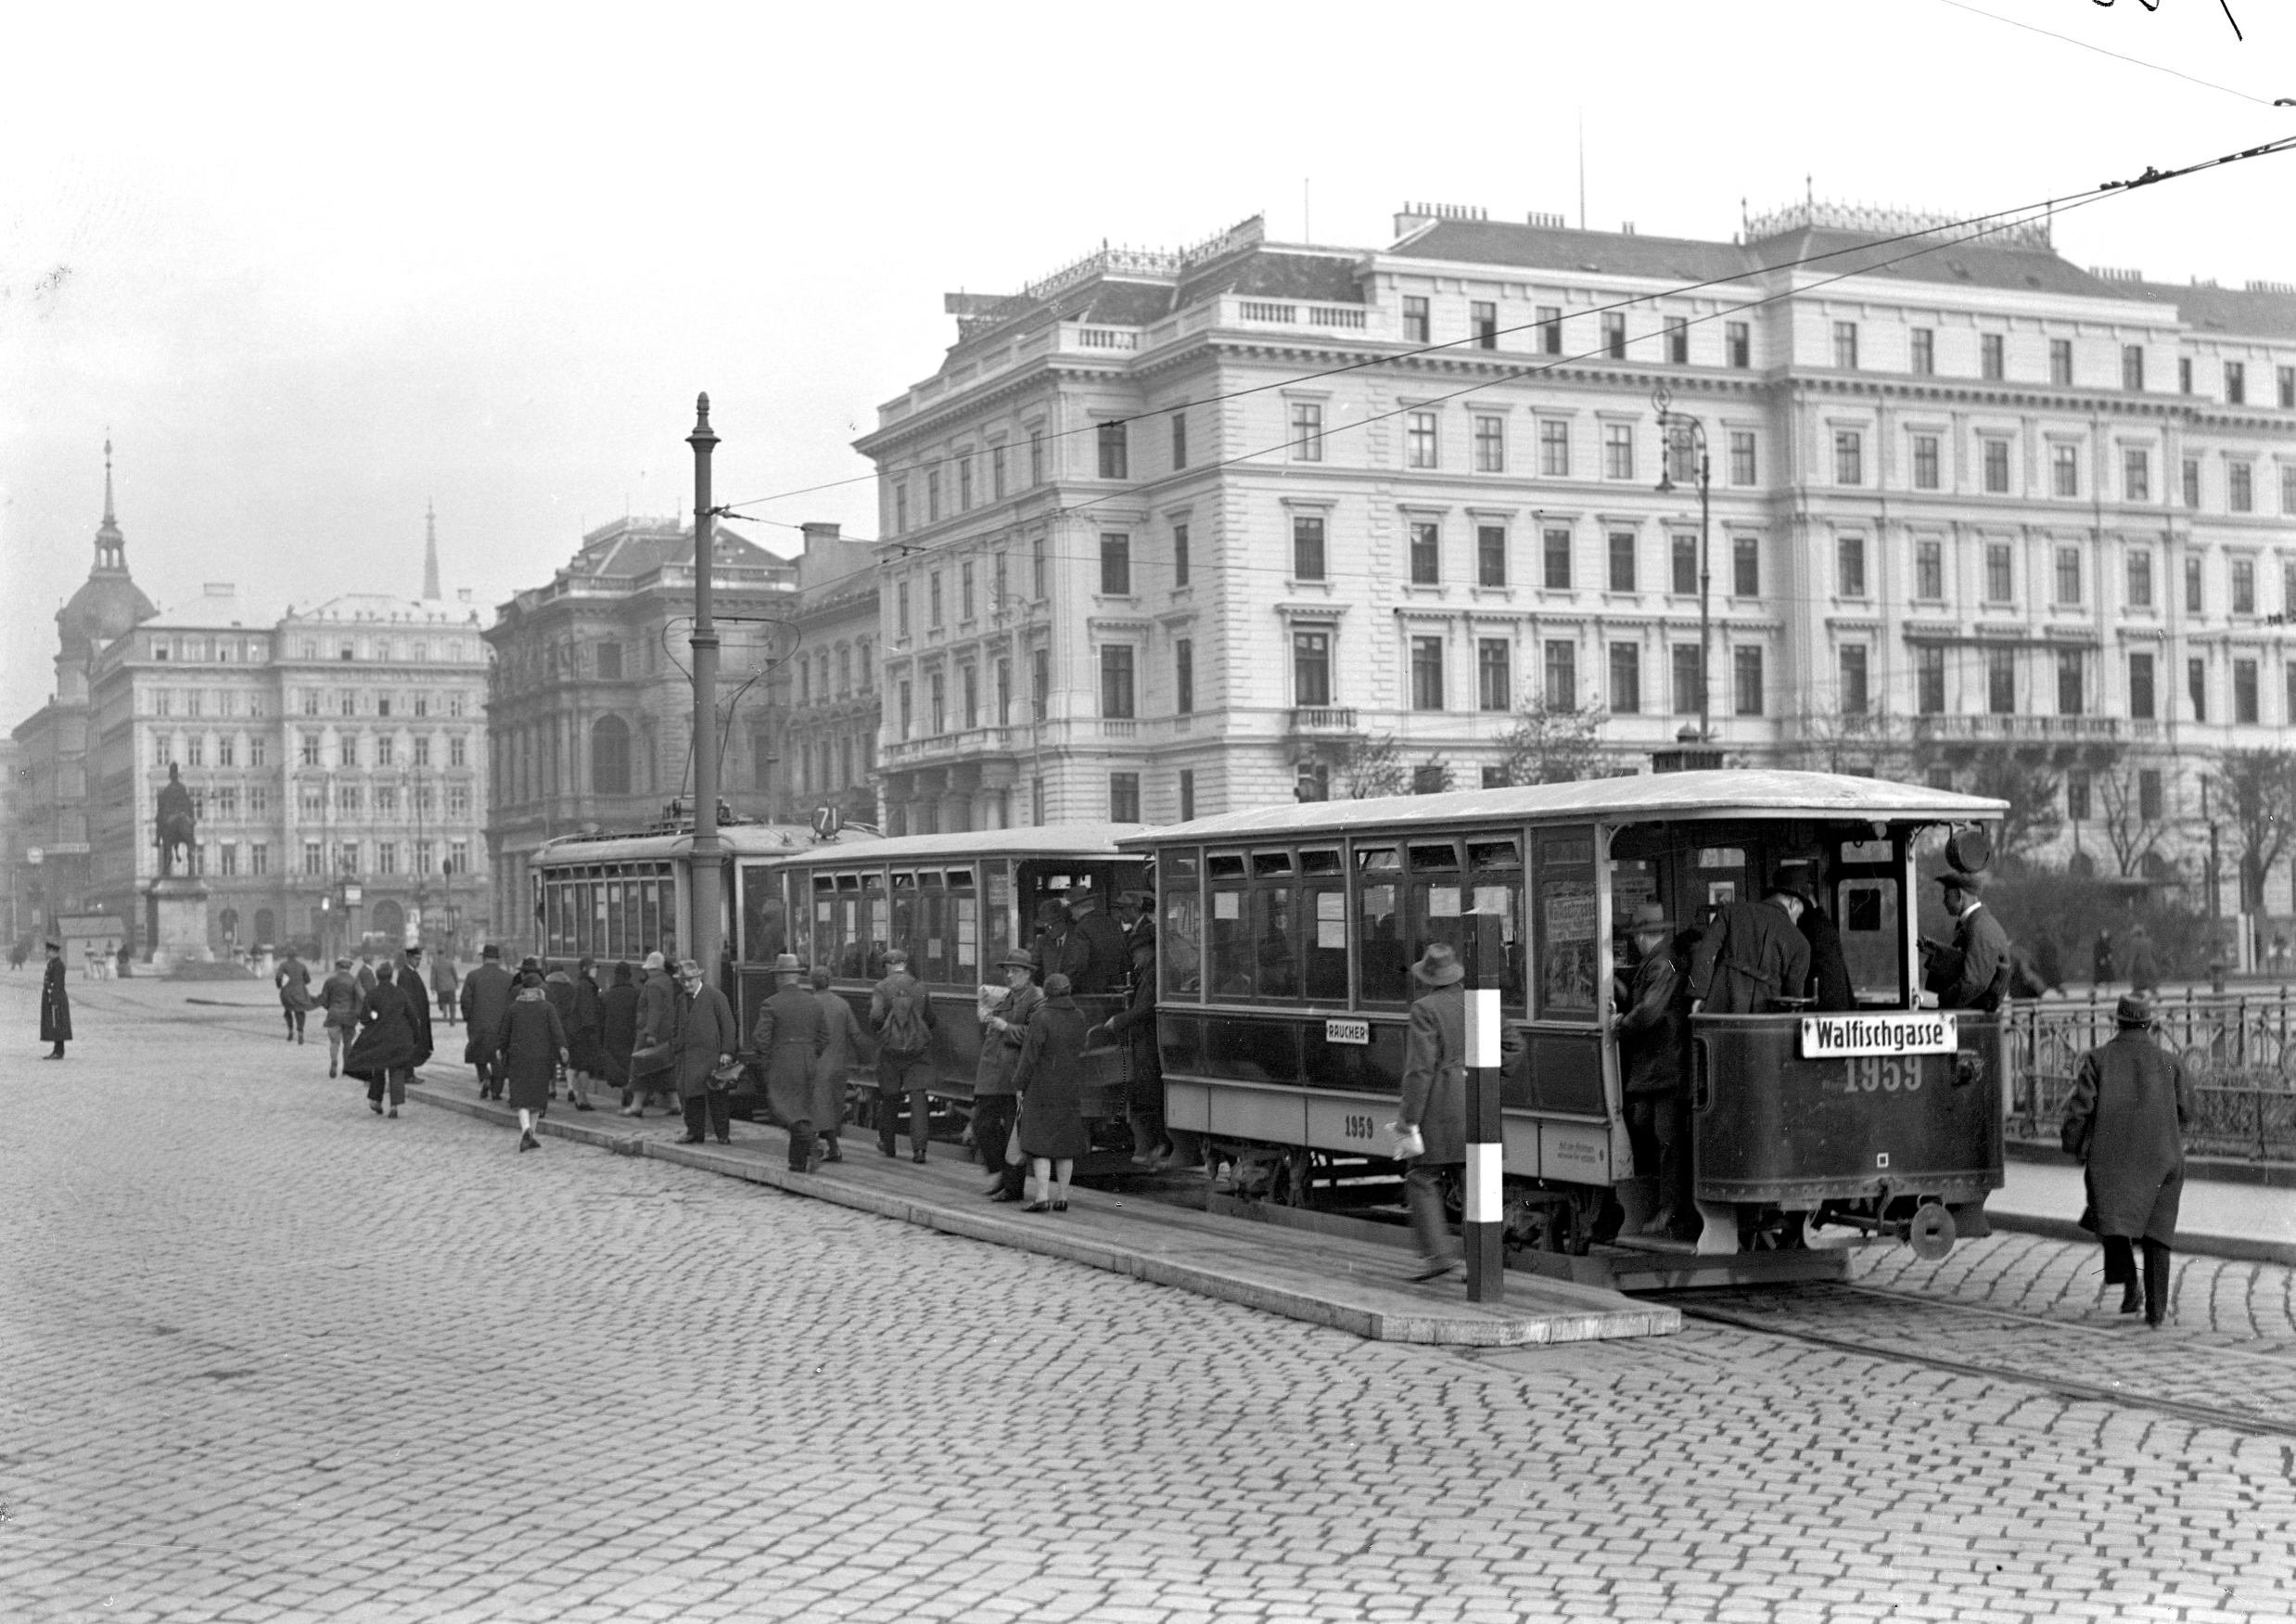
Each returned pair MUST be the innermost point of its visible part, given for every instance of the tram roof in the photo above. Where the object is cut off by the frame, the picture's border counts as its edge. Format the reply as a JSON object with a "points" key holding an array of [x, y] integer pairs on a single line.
{"points": [[1644, 798], [661, 845], [1032, 840]]}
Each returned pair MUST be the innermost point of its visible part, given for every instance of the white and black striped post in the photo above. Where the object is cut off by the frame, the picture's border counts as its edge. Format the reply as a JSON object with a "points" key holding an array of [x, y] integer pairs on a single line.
{"points": [[1482, 1234]]}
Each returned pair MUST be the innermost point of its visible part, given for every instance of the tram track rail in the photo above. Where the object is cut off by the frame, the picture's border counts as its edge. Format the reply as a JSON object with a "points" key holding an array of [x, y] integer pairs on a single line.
{"points": [[1786, 1313]]}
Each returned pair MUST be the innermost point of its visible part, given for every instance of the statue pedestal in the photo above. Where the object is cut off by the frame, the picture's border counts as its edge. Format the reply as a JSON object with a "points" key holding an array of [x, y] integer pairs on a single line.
{"points": [[175, 917]]}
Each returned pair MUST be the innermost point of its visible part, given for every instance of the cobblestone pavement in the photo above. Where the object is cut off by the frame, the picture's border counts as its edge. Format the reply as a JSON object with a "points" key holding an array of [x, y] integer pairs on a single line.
{"points": [[263, 1356]]}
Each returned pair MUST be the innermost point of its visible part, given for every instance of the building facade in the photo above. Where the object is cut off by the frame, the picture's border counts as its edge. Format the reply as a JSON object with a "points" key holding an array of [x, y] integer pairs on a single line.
{"points": [[590, 709], [48, 844], [1169, 535], [335, 761], [825, 710]]}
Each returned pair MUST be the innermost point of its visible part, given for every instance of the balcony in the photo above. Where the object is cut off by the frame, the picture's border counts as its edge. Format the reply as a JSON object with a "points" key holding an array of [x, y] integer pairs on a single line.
{"points": [[1987, 728], [1320, 718]]}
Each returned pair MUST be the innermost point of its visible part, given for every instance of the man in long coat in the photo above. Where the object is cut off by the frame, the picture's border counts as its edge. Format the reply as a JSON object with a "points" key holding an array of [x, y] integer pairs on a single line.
{"points": [[1829, 988], [418, 1006], [293, 980], [1093, 956], [708, 1037], [658, 1024], [1751, 954], [1135, 1026], [486, 998], [54, 1004], [1649, 1053], [2125, 1121], [384, 1052], [903, 1072], [788, 1038], [996, 1103], [841, 1048], [1973, 973], [1434, 1101]]}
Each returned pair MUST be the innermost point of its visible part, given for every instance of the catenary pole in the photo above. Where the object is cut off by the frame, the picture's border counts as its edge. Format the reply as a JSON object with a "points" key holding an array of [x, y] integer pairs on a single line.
{"points": [[706, 856], [1483, 1232]]}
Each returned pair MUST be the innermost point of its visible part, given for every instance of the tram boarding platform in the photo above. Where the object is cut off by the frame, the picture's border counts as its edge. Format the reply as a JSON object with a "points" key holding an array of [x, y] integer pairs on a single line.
{"points": [[1326, 1279]]}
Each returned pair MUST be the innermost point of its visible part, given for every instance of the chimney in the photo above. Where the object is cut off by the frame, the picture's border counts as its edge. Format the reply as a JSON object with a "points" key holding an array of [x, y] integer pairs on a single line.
{"points": [[818, 532]]}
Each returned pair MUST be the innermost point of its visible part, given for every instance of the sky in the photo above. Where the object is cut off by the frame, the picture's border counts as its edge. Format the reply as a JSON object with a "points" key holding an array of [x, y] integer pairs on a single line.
{"points": [[312, 269]]}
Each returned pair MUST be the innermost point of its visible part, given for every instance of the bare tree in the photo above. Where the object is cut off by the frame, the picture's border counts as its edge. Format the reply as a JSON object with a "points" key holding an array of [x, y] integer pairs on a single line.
{"points": [[1554, 746], [1364, 766], [2129, 831], [1872, 744], [2032, 791], [2257, 790]]}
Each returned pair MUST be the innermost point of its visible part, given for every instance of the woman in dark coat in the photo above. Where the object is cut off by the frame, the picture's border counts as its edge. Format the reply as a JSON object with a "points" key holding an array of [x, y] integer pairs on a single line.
{"points": [[2125, 1121], [388, 1046], [587, 1066], [841, 1051], [1052, 1135], [54, 1005], [617, 1031], [529, 1048]]}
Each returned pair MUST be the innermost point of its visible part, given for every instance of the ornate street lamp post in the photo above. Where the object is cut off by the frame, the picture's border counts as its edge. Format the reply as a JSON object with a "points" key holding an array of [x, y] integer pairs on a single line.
{"points": [[1680, 436]]}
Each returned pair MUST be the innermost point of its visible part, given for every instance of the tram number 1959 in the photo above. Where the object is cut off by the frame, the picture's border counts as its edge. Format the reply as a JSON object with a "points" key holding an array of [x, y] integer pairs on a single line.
{"points": [[1357, 1128], [1882, 1074]]}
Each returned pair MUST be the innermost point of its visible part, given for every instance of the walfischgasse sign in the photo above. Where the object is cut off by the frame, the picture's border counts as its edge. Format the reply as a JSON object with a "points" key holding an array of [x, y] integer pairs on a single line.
{"points": [[1833, 1037]]}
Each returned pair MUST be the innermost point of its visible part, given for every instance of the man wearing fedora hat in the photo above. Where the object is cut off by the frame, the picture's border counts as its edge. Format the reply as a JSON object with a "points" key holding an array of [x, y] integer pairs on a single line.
{"points": [[486, 998], [996, 1106], [1435, 1101], [2125, 1121], [1649, 1053], [1973, 973], [1093, 956], [657, 1031], [900, 1013], [1751, 954], [789, 1036]]}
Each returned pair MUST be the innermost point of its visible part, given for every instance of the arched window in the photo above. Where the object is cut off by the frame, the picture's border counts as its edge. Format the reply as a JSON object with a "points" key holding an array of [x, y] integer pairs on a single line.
{"points": [[389, 920], [609, 756]]}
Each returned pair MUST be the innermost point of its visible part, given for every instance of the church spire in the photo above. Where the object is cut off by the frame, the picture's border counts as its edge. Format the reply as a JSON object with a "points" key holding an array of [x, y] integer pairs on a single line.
{"points": [[111, 546], [430, 553]]}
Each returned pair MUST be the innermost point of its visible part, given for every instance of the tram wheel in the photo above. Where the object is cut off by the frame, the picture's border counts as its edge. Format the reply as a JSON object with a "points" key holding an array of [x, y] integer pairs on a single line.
{"points": [[1931, 1233]]}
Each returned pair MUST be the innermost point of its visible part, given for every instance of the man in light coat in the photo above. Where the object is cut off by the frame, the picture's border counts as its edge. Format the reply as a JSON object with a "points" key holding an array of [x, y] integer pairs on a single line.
{"points": [[1435, 1101], [657, 1025], [2125, 1121]]}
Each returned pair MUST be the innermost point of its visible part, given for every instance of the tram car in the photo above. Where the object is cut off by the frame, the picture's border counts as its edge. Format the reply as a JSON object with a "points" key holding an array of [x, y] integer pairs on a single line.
{"points": [[957, 903], [1287, 935]]}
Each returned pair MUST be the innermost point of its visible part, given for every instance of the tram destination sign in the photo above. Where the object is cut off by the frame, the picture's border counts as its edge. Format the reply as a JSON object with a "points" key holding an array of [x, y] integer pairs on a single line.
{"points": [[1835, 1037]]}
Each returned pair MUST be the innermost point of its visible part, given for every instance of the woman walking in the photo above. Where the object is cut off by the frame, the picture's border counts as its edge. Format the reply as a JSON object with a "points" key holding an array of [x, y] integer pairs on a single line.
{"points": [[1052, 1135], [529, 1048], [618, 1031], [582, 1032], [387, 1048]]}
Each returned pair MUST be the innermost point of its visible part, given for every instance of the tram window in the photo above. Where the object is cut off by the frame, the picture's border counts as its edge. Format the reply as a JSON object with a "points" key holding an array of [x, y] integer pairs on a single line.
{"points": [[649, 910], [616, 920], [1880, 851], [1231, 932], [765, 933], [1568, 968], [1435, 858], [1180, 945], [1872, 944], [930, 955], [1271, 865], [1382, 950], [997, 938], [594, 895], [1323, 927]]}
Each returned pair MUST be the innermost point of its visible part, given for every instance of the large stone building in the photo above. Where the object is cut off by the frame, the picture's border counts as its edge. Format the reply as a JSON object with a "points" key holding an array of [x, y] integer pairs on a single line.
{"points": [[825, 692], [335, 761], [590, 713], [48, 846], [1169, 534]]}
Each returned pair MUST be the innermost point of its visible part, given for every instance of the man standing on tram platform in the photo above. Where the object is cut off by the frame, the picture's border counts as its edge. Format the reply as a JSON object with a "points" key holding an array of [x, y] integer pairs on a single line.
{"points": [[1751, 954], [1973, 973], [1649, 1053], [1830, 989], [1093, 956]]}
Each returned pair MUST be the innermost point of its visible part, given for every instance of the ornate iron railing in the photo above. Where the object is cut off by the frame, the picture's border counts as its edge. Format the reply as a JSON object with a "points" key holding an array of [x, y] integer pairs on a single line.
{"points": [[2237, 1049]]}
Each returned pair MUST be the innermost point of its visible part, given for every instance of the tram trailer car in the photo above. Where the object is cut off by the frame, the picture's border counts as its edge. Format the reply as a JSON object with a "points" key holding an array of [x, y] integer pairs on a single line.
{"points": [[958, 903], [1286, 935]]}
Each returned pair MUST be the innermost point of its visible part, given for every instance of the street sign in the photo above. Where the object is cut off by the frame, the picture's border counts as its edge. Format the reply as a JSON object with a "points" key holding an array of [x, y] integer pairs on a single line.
{"points": [[351, 896]]}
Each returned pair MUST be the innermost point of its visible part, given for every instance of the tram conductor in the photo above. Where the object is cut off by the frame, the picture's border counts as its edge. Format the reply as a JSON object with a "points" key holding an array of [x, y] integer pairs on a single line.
{"points": [[1649, 1050], [1093, 954], [1973, 973], [1751, 954]]}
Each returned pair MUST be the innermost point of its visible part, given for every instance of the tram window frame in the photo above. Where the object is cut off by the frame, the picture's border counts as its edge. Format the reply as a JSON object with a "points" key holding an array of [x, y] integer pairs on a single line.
{"points": [[997, 937], [1322, 873], [1179, 930], [1566, 856], [902, 899], [616, 917], [873, 922], [761, 891], [1878, 865], [1272, 916], [1382, 974], [961, 886], [1226, 875]]}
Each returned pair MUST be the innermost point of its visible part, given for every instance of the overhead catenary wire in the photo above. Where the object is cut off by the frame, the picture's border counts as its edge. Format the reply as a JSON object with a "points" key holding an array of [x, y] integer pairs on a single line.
{"points": [[1975, 226]]}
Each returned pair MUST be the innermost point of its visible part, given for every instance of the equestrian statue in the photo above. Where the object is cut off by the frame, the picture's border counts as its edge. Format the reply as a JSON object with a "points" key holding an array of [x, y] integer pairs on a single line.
{"points": [[175, 821]]}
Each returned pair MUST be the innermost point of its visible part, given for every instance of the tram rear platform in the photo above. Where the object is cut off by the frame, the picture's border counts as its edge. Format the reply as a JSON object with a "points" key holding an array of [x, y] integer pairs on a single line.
{"points": [[1344, 1283]]}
